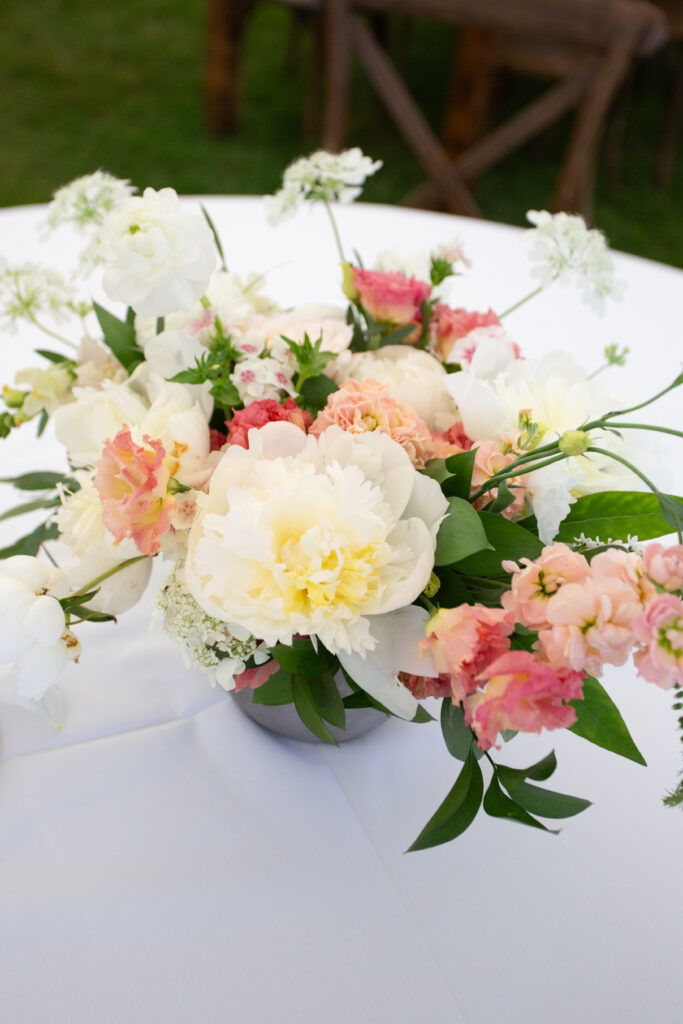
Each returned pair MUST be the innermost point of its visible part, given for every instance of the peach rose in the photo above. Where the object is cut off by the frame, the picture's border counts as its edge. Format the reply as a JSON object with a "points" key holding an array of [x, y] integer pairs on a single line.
{"points": [[391, 297]]}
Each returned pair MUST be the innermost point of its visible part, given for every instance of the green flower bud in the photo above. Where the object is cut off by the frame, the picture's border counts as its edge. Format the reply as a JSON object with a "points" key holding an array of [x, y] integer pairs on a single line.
{"points": [[574, 442]]}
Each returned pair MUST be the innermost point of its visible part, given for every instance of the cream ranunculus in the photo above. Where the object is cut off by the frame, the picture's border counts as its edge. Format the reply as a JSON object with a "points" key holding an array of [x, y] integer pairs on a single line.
{"points": [[158, 257], [414, 377], [313, 535]]}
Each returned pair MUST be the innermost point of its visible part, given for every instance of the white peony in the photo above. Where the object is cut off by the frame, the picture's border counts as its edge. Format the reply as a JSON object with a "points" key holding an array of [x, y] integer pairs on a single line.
{"points": [[158, 257], [313, 535], [34, 641], [413, 377]]}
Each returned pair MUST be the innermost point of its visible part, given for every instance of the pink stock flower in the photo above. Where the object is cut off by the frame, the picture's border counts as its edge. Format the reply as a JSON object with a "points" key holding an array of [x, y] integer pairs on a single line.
{"points": [[463, 641], [524, 694], [449, 325], [660, 631], [255, 677], [591, 623], [266, 410], [132, 482], [625, 566], [391, 297], [536, 582], [488, 460], [664, 566], [366, 405]]}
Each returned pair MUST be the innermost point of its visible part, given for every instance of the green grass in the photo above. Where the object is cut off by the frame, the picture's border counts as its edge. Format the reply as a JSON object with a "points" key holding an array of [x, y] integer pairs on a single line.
{"points": [[121, 87]]}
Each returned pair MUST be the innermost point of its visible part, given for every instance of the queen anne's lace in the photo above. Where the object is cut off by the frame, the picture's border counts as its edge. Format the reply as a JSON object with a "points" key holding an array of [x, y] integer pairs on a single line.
{"points": [[329, 177]]}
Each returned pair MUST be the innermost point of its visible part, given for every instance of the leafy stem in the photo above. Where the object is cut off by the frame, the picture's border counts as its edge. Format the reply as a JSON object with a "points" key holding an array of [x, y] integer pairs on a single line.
{"points": [[335, 230], [87, 587], [526, 298]]}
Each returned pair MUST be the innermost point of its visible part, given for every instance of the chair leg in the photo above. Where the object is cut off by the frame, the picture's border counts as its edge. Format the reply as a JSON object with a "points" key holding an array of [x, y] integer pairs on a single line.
{"points": [[337, 35], [672, 124], [225, 23]]}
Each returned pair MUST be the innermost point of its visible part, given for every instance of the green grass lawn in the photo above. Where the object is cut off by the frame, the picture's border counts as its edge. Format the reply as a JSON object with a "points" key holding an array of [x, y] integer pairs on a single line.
{"points": [[120, 87]]}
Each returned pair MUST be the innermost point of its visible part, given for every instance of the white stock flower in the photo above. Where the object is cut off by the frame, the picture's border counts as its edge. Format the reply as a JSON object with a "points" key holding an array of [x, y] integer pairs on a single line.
{"points": [[413, 377], [569, 252], [309, 535], [330, 177], [34, 641], [158, 257]]}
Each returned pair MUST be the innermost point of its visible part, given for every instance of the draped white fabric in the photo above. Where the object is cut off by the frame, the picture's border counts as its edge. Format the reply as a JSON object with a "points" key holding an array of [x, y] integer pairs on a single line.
{"points": [[163, 859]]}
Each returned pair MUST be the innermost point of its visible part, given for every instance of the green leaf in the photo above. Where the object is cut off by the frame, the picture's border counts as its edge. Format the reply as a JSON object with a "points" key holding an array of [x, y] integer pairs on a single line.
{"points": [[462, 467], [620, 514], [502, 500], [544, 802], [89, 614], [311, 359], [458, 810], [310, 715], [315, 391], [422, 716], [119, 336], [328, 699], [397, 336], [458, 737], [508, 540], [300, 657], [30, 544], [453, 590], [498, 805], [539, 772], [30, 506], [436, 470], [216, 237], [672, 510], [598, 721], [54, 357], [460, 534], [276, 690], [41, 480]]}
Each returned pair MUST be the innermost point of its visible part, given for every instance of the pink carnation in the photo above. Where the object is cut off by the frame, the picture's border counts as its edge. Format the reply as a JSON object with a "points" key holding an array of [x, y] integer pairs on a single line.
{"points": [[524, 694], [660, 631], [266, 410], [132, 482], [463, 641], [664, 566], [391, 297], [362, 406], [451, 442], [426, 686], [449, 325], [534, 583], [255, 677]]}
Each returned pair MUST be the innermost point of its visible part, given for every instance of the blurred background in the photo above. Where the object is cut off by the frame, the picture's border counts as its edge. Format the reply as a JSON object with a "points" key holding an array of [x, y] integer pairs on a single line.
{"points": [[123, 88]]}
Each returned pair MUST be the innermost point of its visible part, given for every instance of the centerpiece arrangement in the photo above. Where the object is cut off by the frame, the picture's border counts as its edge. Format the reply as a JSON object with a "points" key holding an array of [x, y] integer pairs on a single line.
{"points": [[360, 508]]}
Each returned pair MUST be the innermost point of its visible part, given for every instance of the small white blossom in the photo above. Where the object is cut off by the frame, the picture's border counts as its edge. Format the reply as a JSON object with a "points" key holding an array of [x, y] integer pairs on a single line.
{"points": [[569, 252], [84, 203], [330, 177], [29, 291], [256, 379], [452, 251]]}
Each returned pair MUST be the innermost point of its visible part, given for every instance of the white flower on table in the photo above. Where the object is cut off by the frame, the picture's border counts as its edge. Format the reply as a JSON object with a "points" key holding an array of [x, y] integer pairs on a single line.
{"points": [[328, 177], [29, 291], [84, 203], [158, 257]]}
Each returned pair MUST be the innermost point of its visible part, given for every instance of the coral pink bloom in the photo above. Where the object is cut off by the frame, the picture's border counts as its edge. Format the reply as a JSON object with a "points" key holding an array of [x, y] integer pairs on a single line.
{"points": [[660, 631], [255, 677], [426, 686], [591, 623], [391, 297], [665, 565], [362, 406], [522, 693], [489, 459], [463, 641], [625, 566], [534, 583], [266, 410], [449, 325], [132, 482]]}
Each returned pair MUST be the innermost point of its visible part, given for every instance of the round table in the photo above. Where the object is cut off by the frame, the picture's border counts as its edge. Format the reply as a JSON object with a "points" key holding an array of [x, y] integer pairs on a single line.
{"points": [[164, 859]]}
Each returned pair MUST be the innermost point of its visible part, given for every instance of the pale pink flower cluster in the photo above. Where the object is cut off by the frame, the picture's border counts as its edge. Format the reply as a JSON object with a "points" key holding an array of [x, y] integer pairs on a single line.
{"points": [[366, 405]]}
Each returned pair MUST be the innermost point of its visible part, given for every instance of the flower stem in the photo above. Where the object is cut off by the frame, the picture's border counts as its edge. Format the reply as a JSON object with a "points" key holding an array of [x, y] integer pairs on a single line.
{"points": [[634, 408], [105, 575], [52, 334], [629, 465], [531, 295], [335, 230], [646, 426], [499, 479]]}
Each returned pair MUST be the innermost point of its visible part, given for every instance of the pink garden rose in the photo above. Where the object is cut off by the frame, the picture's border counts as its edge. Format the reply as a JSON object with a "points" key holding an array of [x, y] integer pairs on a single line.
{"points": [[266, 410], [366, 405], [132, 482], [660, 631], [534, 583], [464, 641], [664, 566], [391, 297], [522, 693], [448, 326]]}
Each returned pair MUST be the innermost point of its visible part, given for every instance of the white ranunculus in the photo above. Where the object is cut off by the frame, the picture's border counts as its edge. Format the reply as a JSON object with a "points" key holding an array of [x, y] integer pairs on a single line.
{"points": [[413, 377], [34, 640], [158, 257], [177, 414], [313, 535]]}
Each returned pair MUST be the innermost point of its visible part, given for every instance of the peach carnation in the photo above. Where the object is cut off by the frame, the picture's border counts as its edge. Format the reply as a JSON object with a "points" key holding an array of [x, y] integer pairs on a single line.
{"points": [[660, 631], [391, 297], [664, 566], [463, 641], [426, 686], [524, 694], [132, 482], [366, 405], [534, 583], [266, 410], [447, 326]]}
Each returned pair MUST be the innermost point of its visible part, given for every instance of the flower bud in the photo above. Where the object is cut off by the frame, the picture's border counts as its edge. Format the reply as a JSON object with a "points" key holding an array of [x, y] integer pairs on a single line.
{"points": [[574, 442]]}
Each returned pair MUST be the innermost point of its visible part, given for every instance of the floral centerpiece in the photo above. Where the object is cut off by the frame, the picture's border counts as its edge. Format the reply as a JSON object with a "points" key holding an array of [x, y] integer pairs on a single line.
{"points": [[360, 508]]}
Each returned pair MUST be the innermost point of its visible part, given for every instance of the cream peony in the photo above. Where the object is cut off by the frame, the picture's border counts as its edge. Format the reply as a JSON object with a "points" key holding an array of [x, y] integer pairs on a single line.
{"points": [[313, 535], [158, 257], [413, 377]]}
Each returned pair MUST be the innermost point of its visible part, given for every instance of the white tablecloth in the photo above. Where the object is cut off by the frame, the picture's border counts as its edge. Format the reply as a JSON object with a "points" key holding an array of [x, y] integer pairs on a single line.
{"points": [[163, 859]]}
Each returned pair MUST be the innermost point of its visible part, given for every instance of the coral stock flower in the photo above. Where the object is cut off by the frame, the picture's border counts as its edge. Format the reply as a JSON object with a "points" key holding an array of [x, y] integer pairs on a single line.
{"points": [[132, 482], [660, 631], [464, 641], [534, 583], [267, 410], [391, 297], [524, 694]]}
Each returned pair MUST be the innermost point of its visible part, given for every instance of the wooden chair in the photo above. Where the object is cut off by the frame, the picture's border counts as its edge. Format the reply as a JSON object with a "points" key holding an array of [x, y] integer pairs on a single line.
{"points": [[674, 112], [607, 34]]}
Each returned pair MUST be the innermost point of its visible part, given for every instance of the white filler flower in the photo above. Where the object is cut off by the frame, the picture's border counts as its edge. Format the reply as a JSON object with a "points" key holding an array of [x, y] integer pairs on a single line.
{"points": [[329, 177], [158, 257], [313, 535]]}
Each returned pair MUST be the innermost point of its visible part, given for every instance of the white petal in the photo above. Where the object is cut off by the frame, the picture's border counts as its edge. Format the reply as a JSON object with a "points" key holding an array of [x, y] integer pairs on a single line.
{"points": [[481, 410], [45, 621]]}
